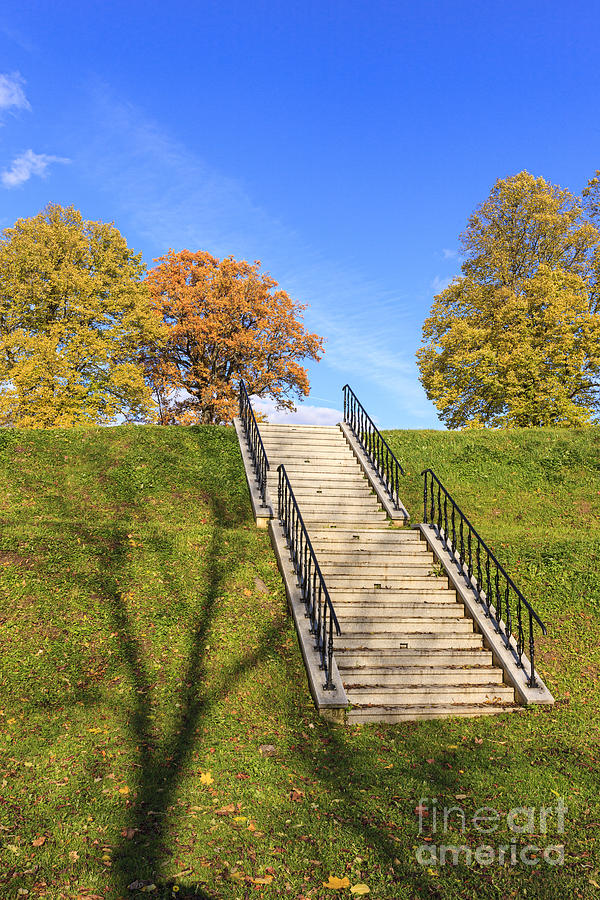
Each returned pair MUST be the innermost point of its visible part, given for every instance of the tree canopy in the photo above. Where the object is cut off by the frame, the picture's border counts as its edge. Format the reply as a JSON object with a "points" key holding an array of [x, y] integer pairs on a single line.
{"points": [[226, 322], [515, 340], [74, 319]]}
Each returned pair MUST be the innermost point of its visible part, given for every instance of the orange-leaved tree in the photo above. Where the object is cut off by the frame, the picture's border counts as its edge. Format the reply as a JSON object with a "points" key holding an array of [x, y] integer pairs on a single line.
{"points": [[226, 322]]}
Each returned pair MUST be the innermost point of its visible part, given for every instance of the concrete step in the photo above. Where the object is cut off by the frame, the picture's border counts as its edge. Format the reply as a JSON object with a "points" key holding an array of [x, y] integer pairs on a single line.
{"points": [[308, 475], [375, 572], [363, 555], [331, 519], [279, 427], [412, 641], [405, 625], [381, 539], [391, 714], [430, 695], [418, 675], [315, 457], [347, 611], [280, 445], [353, 503], [294, 472], [385, 596], [333, 493], [357, 582], [401, 657]]}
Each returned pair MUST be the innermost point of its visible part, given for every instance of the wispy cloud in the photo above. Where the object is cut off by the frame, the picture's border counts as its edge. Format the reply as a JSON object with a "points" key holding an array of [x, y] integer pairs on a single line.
{"points": [[26, 165], [305, 414], [169, 196], [440, 284], [12, 95], [449, 254]]}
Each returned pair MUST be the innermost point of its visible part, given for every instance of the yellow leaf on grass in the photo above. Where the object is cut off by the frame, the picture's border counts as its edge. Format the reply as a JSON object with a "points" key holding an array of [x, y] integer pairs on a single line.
{"points": [[124, 790], [247, 593], [206, 778], [39, 840], [266, 880], [360, 889], [240, 818], [336, 884]]}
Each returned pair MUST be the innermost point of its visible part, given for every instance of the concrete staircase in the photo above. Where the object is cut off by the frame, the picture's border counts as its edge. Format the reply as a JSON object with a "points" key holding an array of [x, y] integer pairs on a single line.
{"points": [[407, 650]]}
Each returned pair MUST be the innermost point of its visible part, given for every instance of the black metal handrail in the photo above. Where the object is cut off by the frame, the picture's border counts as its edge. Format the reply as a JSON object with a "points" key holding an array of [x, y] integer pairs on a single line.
{"points": [[374, 444], [494, 587], [319, 608], [255, 444]]}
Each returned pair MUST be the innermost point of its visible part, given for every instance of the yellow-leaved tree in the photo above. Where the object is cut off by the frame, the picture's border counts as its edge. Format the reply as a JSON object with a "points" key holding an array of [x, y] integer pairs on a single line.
{"points": [[75, 323], [516, 339]]}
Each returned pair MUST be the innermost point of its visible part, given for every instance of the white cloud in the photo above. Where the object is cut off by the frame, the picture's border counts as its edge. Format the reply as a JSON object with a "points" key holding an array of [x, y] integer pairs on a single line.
{"points": [[12, 94], [305, 413], [26, 165], [440, 284], [449, 254]]}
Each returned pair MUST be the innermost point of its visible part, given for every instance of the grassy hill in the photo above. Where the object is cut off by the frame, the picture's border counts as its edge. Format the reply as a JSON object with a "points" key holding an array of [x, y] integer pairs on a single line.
{"points": [[146, 655]]}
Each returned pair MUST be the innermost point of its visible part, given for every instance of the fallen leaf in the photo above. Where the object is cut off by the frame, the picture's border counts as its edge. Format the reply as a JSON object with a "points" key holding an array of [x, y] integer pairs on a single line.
{"points": [[247, 593], [124, 790], [129, 832], [73, 855], [266, 880], [360, 889], [336, 884], [267, 750], [226, 810], [421, 811], [296, 795], [206, 778], [39, 840], [240, 818]]}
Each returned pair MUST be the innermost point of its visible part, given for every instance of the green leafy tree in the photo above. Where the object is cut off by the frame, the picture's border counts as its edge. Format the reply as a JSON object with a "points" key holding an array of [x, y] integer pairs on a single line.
{"points": [[516, 339], [74, 319]]}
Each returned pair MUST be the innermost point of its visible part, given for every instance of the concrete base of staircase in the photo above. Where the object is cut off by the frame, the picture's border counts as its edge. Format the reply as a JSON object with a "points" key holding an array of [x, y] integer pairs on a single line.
{"points": [[503, 656], [330, 704]]}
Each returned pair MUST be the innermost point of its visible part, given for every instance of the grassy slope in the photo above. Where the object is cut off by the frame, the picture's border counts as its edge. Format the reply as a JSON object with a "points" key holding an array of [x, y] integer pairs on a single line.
{"points": [[145, 642]]}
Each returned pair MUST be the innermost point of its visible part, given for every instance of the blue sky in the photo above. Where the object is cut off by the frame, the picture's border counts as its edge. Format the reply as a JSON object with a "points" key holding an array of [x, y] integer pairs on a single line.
{"points": [[344, 144]]}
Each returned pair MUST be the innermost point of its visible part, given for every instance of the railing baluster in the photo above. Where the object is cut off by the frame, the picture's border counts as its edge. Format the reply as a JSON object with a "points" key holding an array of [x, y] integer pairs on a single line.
{"points": [[373, 443], [317, 602], [489, 572], [255, 444]]}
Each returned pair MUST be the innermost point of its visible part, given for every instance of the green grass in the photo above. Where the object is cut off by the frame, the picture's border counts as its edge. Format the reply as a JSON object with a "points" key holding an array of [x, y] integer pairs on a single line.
{"points": [[145, 643]]}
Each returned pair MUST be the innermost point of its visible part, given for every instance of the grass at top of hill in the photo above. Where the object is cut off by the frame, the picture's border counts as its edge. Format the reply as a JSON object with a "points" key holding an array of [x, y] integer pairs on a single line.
{"points": [[146, 655]]}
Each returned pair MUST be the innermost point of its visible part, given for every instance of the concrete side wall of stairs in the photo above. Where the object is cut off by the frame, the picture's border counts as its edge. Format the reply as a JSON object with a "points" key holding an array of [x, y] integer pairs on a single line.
{"points": [[410, 646]]}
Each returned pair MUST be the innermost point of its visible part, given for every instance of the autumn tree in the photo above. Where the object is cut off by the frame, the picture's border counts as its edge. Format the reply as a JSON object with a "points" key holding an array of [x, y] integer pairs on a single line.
{"points": [[515, 340], [226, 321], [74, 319]]}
